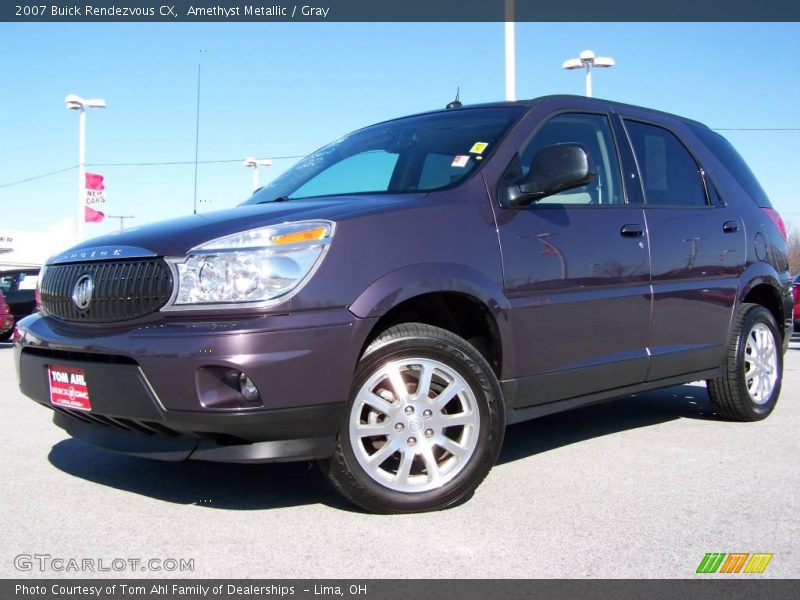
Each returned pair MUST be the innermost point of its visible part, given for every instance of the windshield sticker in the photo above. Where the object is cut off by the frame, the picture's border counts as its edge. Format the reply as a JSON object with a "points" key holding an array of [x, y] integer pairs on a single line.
{"points": [[460, 161], [478, 147]]}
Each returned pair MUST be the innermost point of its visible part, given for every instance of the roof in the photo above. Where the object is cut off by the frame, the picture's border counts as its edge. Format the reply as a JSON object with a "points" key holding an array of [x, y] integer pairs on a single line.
{"points": [[555, 98]]}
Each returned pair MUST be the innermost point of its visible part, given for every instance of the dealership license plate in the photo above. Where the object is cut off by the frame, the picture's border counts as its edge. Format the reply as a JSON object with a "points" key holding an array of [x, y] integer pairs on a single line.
{"points": [[68, 387]]}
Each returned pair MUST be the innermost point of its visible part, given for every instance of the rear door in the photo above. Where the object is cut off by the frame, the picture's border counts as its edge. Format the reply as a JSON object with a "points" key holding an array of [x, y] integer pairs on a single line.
{"points": [[576, 271], [697, 247]]}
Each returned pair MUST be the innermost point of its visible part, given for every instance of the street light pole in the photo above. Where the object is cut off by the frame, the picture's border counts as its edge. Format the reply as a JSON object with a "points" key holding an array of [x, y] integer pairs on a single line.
{"points": [[255, 163], [587, 61], [121, 219], [74, 102], [81, 171], [510, 48]]}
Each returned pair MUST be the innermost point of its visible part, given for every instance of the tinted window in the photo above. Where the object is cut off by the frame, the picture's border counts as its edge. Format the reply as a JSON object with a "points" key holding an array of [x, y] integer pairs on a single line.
{"points": [[733, 162], [593, 132], [670, 175], [438, 171], [423, 152], [369, 171]]}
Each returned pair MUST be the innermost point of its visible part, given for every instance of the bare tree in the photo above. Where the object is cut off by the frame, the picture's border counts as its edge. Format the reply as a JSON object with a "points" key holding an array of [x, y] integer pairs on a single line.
{"points": [[794, 250]]}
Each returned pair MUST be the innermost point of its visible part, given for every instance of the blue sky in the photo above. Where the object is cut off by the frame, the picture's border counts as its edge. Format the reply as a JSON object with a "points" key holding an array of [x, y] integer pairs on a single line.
{"points": [[285, 89]]}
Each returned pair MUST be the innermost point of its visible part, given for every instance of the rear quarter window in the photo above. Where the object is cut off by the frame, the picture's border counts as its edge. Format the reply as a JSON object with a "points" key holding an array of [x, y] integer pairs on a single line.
{"points": [[733, 162]]}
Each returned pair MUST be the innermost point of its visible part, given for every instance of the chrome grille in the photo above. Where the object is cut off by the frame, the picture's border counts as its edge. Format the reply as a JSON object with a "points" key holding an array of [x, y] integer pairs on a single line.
{"points": [[123, 290]]}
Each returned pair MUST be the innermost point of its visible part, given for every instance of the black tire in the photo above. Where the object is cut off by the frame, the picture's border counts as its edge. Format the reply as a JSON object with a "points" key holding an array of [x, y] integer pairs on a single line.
{"points": [[729, 393], [409, 342], [4, 337]]}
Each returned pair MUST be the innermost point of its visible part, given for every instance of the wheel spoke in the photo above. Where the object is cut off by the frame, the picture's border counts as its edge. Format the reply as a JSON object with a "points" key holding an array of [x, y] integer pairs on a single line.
{"points": [[452, 447], [464, 418], [398, 384], [404, 469], [447, 394], [430, 465], [424, 384], [384, 452], [372, 399], [374, 429]]}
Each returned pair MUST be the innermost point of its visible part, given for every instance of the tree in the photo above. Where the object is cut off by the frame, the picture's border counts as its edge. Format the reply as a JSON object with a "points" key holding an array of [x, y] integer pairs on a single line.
{"points": [[794, 250]]}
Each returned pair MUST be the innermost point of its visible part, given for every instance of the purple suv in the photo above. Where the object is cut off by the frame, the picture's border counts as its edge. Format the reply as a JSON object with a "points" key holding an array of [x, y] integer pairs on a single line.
{"points": [[389, 304]]}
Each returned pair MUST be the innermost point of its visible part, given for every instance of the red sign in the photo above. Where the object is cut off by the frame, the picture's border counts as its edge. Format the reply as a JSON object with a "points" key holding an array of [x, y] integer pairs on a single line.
{"points": [[91, 215], [94, 194], [68, 387]]}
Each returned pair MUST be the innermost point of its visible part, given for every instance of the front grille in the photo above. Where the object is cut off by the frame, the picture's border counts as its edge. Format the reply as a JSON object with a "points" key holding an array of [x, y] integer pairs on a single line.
{"points": [[149, 428], [123, 290], [145, 427]]}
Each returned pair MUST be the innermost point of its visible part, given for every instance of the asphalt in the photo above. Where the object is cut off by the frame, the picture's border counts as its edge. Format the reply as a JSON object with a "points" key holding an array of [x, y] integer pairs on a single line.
{"points": [[640, 487]]}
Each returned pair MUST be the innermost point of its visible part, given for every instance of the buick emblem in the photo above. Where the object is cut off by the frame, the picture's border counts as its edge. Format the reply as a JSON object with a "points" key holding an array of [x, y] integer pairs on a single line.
{"points": [[82, 292]]}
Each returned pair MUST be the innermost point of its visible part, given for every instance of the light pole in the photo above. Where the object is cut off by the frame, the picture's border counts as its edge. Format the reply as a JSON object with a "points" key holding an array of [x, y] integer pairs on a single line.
{"points": [[74, 102], [510, 52], [255, 163], [121, 219], [587, 60]]}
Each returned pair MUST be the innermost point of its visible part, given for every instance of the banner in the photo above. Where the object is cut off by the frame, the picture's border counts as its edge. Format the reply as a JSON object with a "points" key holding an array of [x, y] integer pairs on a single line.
{"points": [[94, 194], [367, 11]]}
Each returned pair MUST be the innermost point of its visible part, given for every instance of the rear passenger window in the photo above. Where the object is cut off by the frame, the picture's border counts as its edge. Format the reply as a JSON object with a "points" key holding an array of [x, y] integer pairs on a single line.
{"points": [[670, 175]]}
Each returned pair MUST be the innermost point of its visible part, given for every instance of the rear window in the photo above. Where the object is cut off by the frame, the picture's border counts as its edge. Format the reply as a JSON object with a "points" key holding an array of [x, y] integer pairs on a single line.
{"points": [[733, 162], [7, 282]]}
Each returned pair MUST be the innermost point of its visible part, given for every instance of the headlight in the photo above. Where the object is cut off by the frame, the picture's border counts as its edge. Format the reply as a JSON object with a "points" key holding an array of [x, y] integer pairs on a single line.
{"points": [[252, 266]]}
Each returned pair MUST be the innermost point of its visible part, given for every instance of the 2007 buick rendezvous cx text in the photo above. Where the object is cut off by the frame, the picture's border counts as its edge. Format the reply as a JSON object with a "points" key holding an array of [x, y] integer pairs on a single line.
{"points": [[395, 299]]}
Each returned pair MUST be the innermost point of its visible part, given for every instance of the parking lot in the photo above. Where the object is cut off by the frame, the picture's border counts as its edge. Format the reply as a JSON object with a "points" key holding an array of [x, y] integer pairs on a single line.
{"points": [[641, 487]]}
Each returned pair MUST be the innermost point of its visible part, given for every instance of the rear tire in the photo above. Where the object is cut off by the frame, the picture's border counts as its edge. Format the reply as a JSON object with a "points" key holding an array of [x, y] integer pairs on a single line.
{"points": [[424, 424], [751, 382]]}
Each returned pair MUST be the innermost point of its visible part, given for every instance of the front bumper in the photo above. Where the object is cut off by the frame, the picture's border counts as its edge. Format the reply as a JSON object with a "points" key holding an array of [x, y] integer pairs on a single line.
{"points": [[144, 387]]}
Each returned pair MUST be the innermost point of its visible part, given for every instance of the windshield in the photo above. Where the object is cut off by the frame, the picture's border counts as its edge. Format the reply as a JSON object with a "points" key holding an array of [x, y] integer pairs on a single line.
{"points": [[422, 153]]}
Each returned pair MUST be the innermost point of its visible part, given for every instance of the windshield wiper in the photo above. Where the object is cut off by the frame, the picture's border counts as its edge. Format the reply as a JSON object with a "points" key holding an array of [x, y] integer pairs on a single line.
{"points": [[278, 199]]}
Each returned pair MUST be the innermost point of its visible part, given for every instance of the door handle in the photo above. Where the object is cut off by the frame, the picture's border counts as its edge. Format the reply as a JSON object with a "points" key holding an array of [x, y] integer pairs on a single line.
{"points": [[632, 231], [730, 227]]}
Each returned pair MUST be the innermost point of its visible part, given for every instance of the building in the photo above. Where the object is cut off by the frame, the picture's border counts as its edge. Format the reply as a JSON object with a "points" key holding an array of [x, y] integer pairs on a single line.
{"points": [[22, 249]]}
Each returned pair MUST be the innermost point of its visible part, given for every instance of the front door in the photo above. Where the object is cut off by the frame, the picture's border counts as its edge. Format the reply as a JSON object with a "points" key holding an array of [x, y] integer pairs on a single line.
{"points": [[577, 273]]}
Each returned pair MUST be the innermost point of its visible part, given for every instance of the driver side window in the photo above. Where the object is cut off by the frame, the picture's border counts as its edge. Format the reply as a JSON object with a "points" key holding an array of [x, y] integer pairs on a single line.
{"points": [[593, 132]]}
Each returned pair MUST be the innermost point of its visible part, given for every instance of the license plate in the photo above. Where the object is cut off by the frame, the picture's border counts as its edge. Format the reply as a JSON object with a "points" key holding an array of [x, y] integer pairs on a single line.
{"points": [[68, 387]]}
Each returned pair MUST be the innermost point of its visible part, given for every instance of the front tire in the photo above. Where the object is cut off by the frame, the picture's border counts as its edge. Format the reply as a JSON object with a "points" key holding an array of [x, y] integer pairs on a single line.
{"points": [[424, 425], [751, 383]]}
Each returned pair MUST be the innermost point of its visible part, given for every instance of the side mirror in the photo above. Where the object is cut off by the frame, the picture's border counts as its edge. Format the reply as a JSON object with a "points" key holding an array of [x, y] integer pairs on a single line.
{"points": [[554, 169]]}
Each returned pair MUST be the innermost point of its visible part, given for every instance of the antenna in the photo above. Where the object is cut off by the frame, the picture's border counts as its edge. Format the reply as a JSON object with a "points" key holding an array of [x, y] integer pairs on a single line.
{"points": [[196, 131], [455, 103]]}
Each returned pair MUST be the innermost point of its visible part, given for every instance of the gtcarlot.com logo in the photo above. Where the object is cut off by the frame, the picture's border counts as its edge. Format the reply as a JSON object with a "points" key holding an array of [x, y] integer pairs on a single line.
{"points": [[48, 562], [734, 562]]}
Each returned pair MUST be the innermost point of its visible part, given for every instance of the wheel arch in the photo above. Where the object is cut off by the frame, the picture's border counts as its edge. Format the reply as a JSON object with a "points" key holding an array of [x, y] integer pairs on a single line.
{"points": [[450, 296], [762, 286]]}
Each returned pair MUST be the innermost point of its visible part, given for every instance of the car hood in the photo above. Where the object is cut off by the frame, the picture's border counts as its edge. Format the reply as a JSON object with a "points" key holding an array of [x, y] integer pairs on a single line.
{"points": [[175, 237]]}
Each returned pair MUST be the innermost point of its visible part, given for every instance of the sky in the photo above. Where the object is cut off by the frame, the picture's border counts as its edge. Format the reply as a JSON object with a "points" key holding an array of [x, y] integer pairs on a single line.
{"points": [[285, 89]]}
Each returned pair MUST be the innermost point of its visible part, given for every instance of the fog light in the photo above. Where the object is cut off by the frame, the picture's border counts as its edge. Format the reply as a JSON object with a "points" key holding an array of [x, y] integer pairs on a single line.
{"points": [[224, 388], [248, 388]]}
